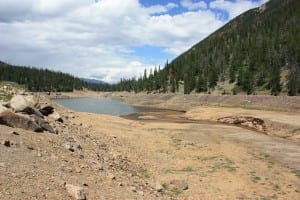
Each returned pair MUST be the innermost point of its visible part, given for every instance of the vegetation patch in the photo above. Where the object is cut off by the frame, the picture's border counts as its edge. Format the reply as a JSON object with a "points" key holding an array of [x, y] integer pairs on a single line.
{"points": [[254, 177]]}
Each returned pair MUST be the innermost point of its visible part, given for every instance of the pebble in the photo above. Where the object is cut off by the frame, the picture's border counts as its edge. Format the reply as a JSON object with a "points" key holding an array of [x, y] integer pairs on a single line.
{"points": [[159, 187], [133, 189], [15, 133], [78, 170], [111, 176], [6, 143], [76, 191]]}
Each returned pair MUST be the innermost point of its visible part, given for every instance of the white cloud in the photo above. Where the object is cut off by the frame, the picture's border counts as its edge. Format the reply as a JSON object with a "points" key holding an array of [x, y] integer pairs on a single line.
{"points": [[90, 39], [234, 8], [190, 5], [171, 5]]}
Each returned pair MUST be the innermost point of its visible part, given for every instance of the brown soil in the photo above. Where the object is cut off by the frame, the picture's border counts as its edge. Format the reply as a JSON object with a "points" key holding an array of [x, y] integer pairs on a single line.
{"points": [[126, 159]]}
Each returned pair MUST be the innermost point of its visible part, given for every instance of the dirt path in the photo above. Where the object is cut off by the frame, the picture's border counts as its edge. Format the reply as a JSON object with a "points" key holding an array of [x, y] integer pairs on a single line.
{"points": [[216, 161]]}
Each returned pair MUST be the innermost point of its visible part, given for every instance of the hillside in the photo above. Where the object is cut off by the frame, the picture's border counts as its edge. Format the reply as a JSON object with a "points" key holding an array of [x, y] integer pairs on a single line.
{"points": [[44, 80], [256, 51]]}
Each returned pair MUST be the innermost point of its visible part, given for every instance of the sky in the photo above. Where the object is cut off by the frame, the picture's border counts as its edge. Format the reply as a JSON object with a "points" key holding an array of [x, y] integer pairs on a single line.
{"points": [[108, 39]]}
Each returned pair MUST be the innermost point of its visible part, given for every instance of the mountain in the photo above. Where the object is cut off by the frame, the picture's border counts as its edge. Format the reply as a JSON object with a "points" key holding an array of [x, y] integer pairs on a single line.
{"points": [[44, 80], [257, 51], [93, 81]]}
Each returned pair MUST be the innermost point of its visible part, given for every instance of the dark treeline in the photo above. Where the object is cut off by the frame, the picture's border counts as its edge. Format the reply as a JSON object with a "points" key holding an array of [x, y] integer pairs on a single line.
{"points": [[43, 80], [156, 80], [258, 50]]}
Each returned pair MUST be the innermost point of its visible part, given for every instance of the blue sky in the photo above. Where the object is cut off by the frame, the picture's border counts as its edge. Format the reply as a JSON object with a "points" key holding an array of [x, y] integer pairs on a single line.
{"points": [[108, 39]]}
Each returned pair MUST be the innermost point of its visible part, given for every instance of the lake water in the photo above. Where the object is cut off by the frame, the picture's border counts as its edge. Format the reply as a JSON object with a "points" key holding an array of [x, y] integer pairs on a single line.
{"points": [[98, 105]]}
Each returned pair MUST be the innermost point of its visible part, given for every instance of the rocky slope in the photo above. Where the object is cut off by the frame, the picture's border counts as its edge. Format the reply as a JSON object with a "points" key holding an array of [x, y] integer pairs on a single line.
{"points": [[44, 155]]}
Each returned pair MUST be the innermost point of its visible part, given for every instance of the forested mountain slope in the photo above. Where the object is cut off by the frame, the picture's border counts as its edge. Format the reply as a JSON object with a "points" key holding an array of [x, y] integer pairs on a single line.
{"points": [[257, 51], [44, 80]]}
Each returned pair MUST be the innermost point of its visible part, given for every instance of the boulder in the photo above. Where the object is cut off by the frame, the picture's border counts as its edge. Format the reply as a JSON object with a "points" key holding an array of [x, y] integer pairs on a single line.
{"points": [[32, 111], [18, 121], [43, 123], [46, 110], [19, 102], [76, 191]]}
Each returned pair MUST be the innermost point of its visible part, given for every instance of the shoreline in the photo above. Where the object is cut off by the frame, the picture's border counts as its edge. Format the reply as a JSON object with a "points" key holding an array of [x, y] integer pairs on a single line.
{"points": [[185, 102], [277, 121]]}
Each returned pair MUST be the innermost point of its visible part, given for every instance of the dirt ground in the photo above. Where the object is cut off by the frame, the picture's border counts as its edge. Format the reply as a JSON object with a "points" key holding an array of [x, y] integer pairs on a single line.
{"points": [[217, 161], [120, 158]]}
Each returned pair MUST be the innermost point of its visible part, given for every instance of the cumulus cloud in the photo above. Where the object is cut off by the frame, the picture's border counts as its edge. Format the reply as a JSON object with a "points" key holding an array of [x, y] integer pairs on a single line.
{"points": [[234, 8], [89, 38], [189, 4]]}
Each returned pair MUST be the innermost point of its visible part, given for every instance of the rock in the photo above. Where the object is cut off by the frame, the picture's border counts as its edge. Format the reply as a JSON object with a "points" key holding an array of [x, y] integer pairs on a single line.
{"points": [[69, 147], [99, 167], [19, 102], [56, 117], [18, 121], [179, 185], [43, 124], [76, 191], [133, 189], [159, 187], [72, 146], [32, 111], [14, 133], [46, 110], [111, 176], [6, 143], [140, 193], [77, 170]]}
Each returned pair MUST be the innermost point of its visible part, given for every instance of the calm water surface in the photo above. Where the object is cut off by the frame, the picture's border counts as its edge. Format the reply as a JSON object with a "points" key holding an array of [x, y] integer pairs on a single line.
{"points": [[98, 105]]}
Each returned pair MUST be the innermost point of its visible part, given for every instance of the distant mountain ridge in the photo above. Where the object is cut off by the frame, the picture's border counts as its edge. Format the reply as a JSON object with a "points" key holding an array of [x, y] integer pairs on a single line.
{"points": [[94, 81], [257, 51]]}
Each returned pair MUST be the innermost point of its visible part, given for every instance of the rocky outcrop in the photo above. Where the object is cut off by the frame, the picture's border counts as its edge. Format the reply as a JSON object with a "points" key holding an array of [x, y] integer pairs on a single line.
{"points": [[244, 121], [27, 113], [20, 102], [11, 119], [46, 110], [43, 123]]}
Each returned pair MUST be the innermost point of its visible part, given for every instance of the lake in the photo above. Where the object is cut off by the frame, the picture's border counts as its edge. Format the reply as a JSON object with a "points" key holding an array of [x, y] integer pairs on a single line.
{"points": [[98, 105]]}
